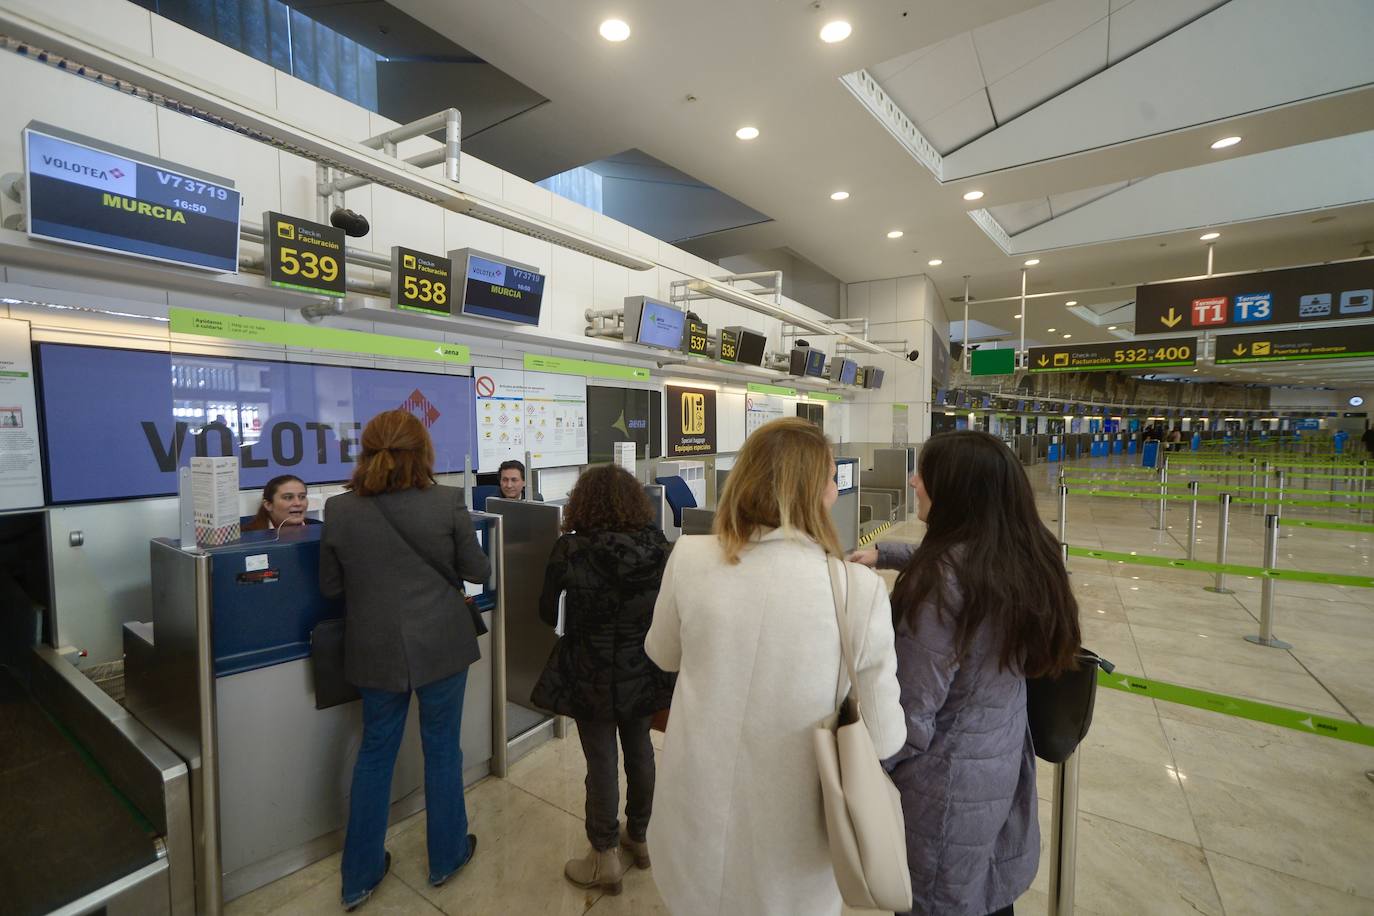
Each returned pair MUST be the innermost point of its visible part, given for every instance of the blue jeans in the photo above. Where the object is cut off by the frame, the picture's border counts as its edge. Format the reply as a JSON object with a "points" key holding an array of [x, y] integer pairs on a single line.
{"points": [[384, 722]]}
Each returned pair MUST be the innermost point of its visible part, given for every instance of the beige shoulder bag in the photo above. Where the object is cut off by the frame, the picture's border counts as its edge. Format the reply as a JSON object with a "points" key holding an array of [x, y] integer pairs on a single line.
{"points": [[863, 810]]}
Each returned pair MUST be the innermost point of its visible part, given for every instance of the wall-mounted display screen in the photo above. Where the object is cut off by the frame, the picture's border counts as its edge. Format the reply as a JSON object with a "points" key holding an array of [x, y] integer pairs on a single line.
{"points": [[117, 424], [796, 361], [815, 363], [751, 347], [873, 377], [499, 289], [852, 374], [842, 371], [623, 415], [81, 192], [654, 324], [844, 474]]}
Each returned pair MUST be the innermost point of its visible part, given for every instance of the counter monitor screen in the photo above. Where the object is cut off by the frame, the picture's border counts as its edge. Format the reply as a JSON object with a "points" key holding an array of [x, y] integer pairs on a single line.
{"points": [[499, 290], [844, 475], [796, 361], [848, 370], [660, 326], [751, 347], [860, 377], [815, 363]]}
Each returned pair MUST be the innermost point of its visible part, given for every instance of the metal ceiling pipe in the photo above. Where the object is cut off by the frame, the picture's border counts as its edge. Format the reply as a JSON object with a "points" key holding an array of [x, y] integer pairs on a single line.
{"points": [[448, 154]]}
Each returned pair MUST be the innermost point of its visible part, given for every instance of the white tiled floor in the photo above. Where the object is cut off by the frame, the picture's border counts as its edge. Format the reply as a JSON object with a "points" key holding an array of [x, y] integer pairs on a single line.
{"points": [[1181, 810]]}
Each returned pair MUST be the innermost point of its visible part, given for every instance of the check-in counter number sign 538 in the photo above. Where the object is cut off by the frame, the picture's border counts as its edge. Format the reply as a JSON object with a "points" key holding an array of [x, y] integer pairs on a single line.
{"points": [[420, 289]]}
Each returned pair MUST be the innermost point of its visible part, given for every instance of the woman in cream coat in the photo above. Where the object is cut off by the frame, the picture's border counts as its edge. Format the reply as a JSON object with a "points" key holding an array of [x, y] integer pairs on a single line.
{"points": [[747, 619]]}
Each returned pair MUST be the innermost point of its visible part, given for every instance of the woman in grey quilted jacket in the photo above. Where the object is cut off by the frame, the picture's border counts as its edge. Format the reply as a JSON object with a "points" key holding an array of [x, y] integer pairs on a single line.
{"points": [[982, 603]]}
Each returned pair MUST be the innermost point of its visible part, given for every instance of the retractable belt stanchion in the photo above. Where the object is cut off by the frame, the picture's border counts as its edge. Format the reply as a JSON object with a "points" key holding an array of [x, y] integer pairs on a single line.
{"points": [[1271, 560], [1254, 479], [1064, 836], [1163, 493], [1223, 524], [1192, 518], [1278, 507]]}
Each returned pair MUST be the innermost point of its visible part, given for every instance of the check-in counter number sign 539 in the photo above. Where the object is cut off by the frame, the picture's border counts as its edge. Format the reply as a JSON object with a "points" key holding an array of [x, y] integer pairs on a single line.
{"points": [[303, 255]]}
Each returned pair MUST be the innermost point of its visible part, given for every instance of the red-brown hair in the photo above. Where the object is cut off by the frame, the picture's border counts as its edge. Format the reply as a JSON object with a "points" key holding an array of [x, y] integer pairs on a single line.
{"points": [[397, 455]]}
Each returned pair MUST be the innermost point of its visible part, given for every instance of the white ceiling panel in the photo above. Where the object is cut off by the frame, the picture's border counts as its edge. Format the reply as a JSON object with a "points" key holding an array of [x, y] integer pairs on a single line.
{"points": [[1136, 25], [960, 124], [890, 68], [1047, 76], [938, 80], [1009, 44], [1248, 55], [1018, 217], [1330, 173], [1072, 200]]}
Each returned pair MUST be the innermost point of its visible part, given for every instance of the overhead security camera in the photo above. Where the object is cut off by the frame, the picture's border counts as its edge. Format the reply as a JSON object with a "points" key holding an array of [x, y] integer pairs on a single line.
{"points": [[913, 356], [353, 224]]}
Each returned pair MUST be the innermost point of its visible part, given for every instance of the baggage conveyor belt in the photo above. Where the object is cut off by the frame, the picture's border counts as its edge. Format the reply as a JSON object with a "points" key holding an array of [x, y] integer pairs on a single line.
{"points": [[68, 832]]}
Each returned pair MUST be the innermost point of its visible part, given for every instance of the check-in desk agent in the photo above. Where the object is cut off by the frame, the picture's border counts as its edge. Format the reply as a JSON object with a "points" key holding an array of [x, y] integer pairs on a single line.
{"points": [[284, 503], [395, 547]]}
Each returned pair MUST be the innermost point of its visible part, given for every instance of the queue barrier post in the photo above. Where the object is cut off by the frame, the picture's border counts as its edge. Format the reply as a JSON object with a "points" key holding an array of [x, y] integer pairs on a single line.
{"points": [[1064, 836], [1278, 508], [1223, 534], [1063, 514], [1163, 494], [1254, 479], [1271, 560], [1192, 518]]}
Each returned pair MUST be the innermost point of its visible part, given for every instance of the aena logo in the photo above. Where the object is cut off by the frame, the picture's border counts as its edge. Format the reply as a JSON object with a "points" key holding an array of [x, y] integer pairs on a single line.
{"points": [[693, 414]]}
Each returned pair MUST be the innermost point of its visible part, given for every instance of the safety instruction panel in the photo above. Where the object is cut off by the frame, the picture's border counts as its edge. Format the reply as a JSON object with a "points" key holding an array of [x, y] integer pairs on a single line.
{"points": [[760, 409], [21, 467], [537, 412]]}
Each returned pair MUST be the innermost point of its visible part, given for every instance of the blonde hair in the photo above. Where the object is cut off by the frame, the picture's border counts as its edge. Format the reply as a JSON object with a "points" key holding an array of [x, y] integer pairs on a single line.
{"points": [[397, 455], [778, 481]]}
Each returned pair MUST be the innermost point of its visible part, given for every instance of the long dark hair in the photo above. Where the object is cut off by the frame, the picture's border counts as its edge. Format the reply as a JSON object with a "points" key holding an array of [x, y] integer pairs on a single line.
{"points": [[983, 530]]}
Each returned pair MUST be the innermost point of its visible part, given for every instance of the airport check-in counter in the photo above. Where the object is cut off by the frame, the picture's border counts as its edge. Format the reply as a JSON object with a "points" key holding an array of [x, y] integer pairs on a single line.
{"points": [[891, 474], [845, 512], [698, 521], [222, 675]]}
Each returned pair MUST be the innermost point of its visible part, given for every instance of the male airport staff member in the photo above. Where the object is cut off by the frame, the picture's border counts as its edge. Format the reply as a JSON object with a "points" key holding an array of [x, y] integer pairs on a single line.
{"points": [[512, 479]]}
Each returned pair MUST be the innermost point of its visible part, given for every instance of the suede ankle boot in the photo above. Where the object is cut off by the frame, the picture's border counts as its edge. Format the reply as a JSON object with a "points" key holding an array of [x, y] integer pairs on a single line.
{"points": [[598, 868], [636, 852]]}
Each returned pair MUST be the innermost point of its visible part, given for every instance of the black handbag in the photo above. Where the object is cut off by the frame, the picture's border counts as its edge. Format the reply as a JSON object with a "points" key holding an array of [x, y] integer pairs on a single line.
{"points": [[327, 662], [479, 625], [1060, 709]]}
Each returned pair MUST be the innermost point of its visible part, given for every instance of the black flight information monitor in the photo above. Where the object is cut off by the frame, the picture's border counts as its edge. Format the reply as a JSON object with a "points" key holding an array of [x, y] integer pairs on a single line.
{"points": [[82, 192], [421, 282], [302, 255], [500, 289]]}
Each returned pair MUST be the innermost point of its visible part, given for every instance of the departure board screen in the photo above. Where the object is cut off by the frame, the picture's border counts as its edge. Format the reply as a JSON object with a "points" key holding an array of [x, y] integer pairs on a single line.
{"points": [[80, 192], [493, 289]]}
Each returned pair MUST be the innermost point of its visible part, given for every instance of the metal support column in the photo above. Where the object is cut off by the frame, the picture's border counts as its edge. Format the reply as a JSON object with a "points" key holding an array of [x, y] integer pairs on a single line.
{"points": [[1271, 560], [1163, 494], [1063, 512], [1223, 535]]}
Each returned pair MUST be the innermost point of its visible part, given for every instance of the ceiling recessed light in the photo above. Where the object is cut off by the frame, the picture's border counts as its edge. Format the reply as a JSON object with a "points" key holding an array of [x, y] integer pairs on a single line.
{"points": [[1067, 336], [1225, 142], [1032, 262], [747, 133], [835, 31], [935, 262], [1111, 327], [895, 234], [973, 195], [1071, 302], [1209, 236], [615, 30], [840, 195], [1051, 330]]}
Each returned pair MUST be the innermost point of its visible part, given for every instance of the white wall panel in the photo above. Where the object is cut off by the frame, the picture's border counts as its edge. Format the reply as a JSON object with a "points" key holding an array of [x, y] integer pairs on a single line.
{"points": [[190, 51], [729, 421], [322, 111], [465, 232], [124, 24], [520, 193]]}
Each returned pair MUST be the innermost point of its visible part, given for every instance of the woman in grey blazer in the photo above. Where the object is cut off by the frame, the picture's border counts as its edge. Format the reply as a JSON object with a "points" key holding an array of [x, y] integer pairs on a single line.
{"points": [[407, 629]]}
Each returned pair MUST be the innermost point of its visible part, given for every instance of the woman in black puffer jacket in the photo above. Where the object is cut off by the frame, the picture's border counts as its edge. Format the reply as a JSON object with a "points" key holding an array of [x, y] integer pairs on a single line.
{"points": [[609, 562]]}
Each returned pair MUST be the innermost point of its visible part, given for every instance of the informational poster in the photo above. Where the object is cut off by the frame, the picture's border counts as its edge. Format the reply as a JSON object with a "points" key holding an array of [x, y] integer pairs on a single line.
{"points": [[690, 414], [536, 412], [760, 409], [215, 498], [21, 466]]}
